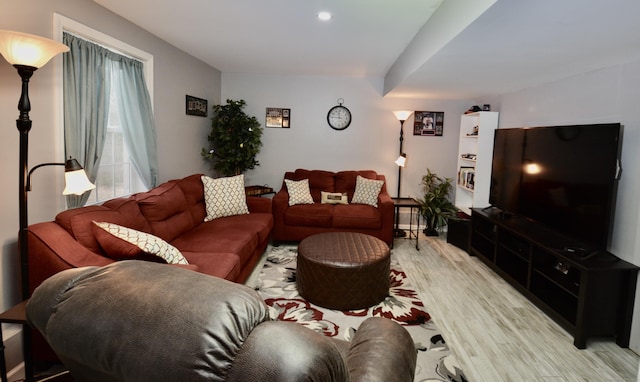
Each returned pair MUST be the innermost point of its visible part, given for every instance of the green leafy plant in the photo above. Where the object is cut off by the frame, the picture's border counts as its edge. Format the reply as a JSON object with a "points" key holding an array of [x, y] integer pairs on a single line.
{"points": [[235, 139], [435, 206]]}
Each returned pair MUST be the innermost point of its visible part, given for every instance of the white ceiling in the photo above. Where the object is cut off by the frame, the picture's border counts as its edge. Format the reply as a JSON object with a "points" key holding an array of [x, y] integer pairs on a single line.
{"points": [[457, 49]]}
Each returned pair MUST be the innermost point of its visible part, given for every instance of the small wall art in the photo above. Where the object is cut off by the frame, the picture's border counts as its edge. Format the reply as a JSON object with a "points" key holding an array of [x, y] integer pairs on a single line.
{"points": [[278, 117], [196, 106], [428, 123]]}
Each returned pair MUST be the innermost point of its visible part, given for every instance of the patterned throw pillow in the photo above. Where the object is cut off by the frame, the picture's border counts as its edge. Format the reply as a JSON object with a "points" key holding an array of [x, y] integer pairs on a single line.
{"points": [[224, 197], [367, 191], [299, 192], [333, 198], [122, 242]]}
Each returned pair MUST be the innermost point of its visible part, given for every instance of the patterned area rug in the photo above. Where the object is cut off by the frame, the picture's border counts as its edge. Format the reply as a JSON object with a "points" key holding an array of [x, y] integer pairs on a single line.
{"points": [[277, 286]]}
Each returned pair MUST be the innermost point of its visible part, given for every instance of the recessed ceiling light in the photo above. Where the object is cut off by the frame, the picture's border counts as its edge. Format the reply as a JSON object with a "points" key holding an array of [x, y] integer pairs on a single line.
{"points": [[324, 16]]}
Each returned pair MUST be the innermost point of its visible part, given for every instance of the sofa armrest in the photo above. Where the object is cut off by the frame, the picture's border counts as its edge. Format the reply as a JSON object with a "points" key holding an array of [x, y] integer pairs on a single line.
{"points": [[387, 211], [286, 351], [52, 249], [381, 350], [257, 204]]}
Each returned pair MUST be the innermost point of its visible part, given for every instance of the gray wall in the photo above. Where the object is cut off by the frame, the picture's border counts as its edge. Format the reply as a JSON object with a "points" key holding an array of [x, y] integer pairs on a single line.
{"points": [[370, 142], [180, 137], [607, 95]]}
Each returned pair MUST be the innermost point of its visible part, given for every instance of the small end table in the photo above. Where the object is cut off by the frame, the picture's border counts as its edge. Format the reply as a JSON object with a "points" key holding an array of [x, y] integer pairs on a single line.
{"points": [[411, 204], [258, 190], [17, 315]]}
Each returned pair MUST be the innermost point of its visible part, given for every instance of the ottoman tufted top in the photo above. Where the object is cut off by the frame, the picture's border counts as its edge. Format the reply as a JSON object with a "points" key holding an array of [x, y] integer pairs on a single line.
{"points": [[343, 249]]}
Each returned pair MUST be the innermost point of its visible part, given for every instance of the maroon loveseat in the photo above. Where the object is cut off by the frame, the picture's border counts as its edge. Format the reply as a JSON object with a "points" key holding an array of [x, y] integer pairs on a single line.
{"points": [[294, 223]]}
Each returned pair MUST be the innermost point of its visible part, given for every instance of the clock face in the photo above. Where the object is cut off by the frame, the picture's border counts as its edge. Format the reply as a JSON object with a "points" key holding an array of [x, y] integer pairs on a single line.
{"points": [[339, 117]]}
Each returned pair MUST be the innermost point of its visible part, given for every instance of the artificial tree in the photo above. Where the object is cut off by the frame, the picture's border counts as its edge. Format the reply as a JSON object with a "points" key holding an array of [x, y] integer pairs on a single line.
{"points": [[234, 139], [435, 206]]}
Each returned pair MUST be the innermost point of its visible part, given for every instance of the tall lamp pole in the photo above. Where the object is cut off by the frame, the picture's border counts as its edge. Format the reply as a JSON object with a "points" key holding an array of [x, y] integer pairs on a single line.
{"points": [[402, 116], [27, 53]]}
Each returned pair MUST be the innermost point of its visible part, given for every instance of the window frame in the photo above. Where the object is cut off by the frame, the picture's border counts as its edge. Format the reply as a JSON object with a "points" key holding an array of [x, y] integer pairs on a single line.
{"points": [[63, 24]]}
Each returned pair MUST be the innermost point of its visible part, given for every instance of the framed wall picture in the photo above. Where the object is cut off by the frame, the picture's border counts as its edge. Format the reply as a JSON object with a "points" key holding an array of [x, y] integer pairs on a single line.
{"points": [[196, 106], [428, 123], [278, 117]]}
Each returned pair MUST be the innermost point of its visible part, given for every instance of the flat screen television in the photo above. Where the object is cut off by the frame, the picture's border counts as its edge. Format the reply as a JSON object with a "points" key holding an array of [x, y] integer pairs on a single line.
{"points": [[564, 177]]}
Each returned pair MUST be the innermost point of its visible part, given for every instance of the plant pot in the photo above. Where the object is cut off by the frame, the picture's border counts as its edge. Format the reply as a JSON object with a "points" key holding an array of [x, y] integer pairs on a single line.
{"points": [[430, 231]]}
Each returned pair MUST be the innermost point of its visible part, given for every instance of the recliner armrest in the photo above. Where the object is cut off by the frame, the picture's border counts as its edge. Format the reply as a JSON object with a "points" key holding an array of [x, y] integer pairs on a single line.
{"points": [[381, 350], [279, 351]]}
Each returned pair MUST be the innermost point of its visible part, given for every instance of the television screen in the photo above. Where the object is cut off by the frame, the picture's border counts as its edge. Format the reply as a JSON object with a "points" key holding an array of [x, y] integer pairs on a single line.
{"points": [[561, 176]]}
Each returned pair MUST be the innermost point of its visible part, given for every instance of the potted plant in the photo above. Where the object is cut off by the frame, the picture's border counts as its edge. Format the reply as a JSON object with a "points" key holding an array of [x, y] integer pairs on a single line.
{"points": [[435, 205], [235, 139]]}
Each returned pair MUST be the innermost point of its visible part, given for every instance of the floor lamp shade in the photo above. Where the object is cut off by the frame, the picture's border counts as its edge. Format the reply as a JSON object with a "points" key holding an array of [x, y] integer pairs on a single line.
{"points": [[402, 115], [28, 50], [75, 178]]}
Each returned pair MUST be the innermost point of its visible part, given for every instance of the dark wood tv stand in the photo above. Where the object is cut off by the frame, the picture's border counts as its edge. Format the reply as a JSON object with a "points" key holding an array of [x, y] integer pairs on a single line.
{"points": [[590, 297]]}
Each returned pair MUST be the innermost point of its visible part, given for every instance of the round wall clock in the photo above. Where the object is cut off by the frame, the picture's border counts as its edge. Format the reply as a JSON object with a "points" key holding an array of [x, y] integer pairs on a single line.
{"points": [[339, 117]]}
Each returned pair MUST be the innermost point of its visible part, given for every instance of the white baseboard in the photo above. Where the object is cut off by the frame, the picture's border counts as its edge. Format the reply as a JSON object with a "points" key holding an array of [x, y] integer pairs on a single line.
{"points": [[12, 336]]}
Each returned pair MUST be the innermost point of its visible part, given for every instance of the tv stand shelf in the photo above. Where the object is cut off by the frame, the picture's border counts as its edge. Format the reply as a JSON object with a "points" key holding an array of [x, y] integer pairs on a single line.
{"points": [[590, 296]]}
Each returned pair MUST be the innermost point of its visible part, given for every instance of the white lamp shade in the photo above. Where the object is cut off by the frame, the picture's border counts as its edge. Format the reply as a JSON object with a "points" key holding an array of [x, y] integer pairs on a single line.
{"points": [[402, 115], [77, 183], [28, 50], [402, 159]]}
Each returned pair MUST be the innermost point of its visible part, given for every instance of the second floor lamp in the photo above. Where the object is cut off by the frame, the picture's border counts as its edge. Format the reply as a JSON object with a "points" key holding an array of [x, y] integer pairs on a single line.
{"points": [[402, 116]]}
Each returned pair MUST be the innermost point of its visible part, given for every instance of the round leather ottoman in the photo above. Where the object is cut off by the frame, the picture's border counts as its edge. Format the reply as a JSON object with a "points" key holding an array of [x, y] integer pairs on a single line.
{"points": [[343, 270]]}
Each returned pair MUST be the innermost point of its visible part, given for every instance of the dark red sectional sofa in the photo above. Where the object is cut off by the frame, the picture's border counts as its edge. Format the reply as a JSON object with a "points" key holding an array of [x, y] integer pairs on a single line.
{"points": [[227, 247]]}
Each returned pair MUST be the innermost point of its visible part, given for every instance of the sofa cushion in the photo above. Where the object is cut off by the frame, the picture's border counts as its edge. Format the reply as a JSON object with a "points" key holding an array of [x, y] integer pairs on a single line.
{"points": [[310, 215], [367, 191], [224, 196], [122, 242], [216, 236], [346, 180], [298, 191], [358, 216], [221, 264], [194, 193], [165, 208], [319, 180], [77, 221]]}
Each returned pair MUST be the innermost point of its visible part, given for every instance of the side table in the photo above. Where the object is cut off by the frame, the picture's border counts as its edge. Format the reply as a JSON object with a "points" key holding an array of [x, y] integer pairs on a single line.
{"points": [[17, 315], [411, 204], [258, 190]]}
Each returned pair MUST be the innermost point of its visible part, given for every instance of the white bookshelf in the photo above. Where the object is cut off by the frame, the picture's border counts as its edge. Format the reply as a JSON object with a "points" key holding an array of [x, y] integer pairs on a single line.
{"points": [[475, 151]]}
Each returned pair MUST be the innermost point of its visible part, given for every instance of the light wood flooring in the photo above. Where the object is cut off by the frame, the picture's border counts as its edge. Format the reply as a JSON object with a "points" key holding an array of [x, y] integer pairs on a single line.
{"points": [[495, 333]]}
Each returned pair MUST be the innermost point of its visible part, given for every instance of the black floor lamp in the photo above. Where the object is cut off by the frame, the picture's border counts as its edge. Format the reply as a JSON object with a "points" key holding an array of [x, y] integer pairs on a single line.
{"points": [[402, 116], [27, 53]]}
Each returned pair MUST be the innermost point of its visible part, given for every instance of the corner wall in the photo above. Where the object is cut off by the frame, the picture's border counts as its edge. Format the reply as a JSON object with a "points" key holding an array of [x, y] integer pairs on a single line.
{"points": [[607, 95], [370, 142], [180, 137]]}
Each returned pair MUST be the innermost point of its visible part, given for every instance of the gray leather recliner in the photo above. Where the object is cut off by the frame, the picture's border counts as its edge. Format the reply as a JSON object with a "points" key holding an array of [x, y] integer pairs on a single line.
{"points": [[141, 321]]}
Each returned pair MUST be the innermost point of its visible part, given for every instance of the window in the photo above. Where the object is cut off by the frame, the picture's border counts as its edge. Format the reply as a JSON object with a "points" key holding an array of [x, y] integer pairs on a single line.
{"points": [[116, 175], [115, 172]]}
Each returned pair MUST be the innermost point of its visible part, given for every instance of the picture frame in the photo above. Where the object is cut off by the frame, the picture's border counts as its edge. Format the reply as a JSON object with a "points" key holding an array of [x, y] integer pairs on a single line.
{"points": [[196, 106], [428, 123], [278, 117]]}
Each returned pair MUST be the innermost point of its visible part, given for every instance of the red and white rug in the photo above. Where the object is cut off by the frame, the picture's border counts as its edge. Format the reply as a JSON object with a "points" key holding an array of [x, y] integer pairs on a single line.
{"points": [[277, 286]]}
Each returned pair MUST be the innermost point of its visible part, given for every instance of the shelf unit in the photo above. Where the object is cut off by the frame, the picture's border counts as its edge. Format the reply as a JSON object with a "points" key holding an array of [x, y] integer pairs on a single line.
{"points": [[591, 296], [474, 174]]}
